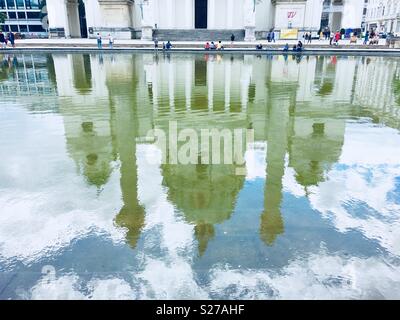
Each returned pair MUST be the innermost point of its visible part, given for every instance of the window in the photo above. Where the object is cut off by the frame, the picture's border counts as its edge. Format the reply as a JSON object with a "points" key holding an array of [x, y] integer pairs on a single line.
{"points": [[33, 15], [12, 15], [36, 28], [20, 4], [2, 4], [23, 28], [10, 4], [21, 15], [32, 4], [14, 27]]}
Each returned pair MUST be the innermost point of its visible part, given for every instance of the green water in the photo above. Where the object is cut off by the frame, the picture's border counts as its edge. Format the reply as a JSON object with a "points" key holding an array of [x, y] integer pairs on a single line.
{"points": [[89, 210]]}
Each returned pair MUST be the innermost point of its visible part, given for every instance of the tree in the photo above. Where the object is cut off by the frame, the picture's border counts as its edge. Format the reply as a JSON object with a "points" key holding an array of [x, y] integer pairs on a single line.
{"points": [[3, 17]]}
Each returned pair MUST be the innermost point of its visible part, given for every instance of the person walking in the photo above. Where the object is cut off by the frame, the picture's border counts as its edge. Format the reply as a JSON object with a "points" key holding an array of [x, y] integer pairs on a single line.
{"points": [[366, 37], [156, 44], [3, 41], [232, 38], [110, 41], [11, 38], [330, 38], [99, 40], [309, 38], [273, 36], [337, 37]]}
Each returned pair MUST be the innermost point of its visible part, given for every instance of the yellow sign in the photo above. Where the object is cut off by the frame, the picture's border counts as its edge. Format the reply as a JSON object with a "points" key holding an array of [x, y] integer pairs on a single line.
{"points": [[289, 34]]}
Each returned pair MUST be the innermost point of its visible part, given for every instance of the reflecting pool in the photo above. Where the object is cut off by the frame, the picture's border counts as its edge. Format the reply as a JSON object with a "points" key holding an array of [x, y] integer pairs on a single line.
{"points": [[313, 212]]}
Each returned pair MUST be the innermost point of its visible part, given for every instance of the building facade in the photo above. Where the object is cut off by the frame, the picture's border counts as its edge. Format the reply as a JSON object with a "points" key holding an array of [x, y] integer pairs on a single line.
{"points": [[24, 16], [178, 19], [383, 16]]}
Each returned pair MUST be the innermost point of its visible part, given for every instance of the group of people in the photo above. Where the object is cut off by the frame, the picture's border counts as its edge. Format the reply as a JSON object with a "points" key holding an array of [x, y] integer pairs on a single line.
{"points": [[213, 46], [165, 46], [371, 37], [110, 39], [308, 37], [334, 38], [7, 38]]}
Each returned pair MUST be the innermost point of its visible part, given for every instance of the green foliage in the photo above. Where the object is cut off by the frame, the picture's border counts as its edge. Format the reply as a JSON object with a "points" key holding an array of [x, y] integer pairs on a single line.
{"points": [[3, 18]]}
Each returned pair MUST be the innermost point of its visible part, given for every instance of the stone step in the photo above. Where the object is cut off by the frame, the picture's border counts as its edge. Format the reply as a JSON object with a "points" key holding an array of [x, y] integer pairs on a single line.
{"points": [[197, 34]]}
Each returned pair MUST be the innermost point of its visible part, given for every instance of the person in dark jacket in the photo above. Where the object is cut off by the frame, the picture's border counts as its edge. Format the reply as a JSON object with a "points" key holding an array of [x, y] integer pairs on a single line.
{"points": [[3, 41], [11, 38]]}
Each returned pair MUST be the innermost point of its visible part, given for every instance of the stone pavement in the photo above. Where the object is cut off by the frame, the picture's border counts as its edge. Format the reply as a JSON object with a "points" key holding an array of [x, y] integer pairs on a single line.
{"points": [[91, 43]]}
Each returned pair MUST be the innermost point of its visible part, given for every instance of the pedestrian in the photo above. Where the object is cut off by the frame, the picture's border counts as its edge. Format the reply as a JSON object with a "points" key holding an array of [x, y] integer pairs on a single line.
{"points": [[232, 38], [337, 37], [366, 37], [99, 40], [168, 46], [212, 46], [11, 38], [155, 44], [330, 38], [3, 40], [259, 47], [110, 41], [207, 46], [273, 36], [220, 46], [309, 38]]}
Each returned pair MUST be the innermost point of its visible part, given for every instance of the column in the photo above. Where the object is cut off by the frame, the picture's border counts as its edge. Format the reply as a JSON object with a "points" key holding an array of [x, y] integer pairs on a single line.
{"points": [[271, 224], [74, 25], [154, 87], [171, 13], [147, 20], [211, 14], [58, 19], [188, 84], [245, 82], [210, 85], [228, 75], [249, 20], [189, 14], [171, 86], [229, 14]]}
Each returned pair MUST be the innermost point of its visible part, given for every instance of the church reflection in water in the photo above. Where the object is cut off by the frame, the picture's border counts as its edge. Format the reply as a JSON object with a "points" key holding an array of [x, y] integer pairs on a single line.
{"points": [[297, 108]]}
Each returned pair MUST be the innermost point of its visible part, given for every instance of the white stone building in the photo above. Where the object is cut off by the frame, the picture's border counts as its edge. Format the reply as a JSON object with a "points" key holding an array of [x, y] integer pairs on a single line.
{"points": [[383, 16], [200, 19]]}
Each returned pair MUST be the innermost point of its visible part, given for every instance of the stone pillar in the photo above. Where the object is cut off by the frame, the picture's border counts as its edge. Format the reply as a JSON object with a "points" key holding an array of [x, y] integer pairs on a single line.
{"points": [[228, 77], [189, 14], [171, 86], [352, 14], [211, 14], [245, 78], [74, 30], [58, 19], [171, 13], [188, 84], [249, 20], [229, 14], [147, 19], [210, 85]]}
